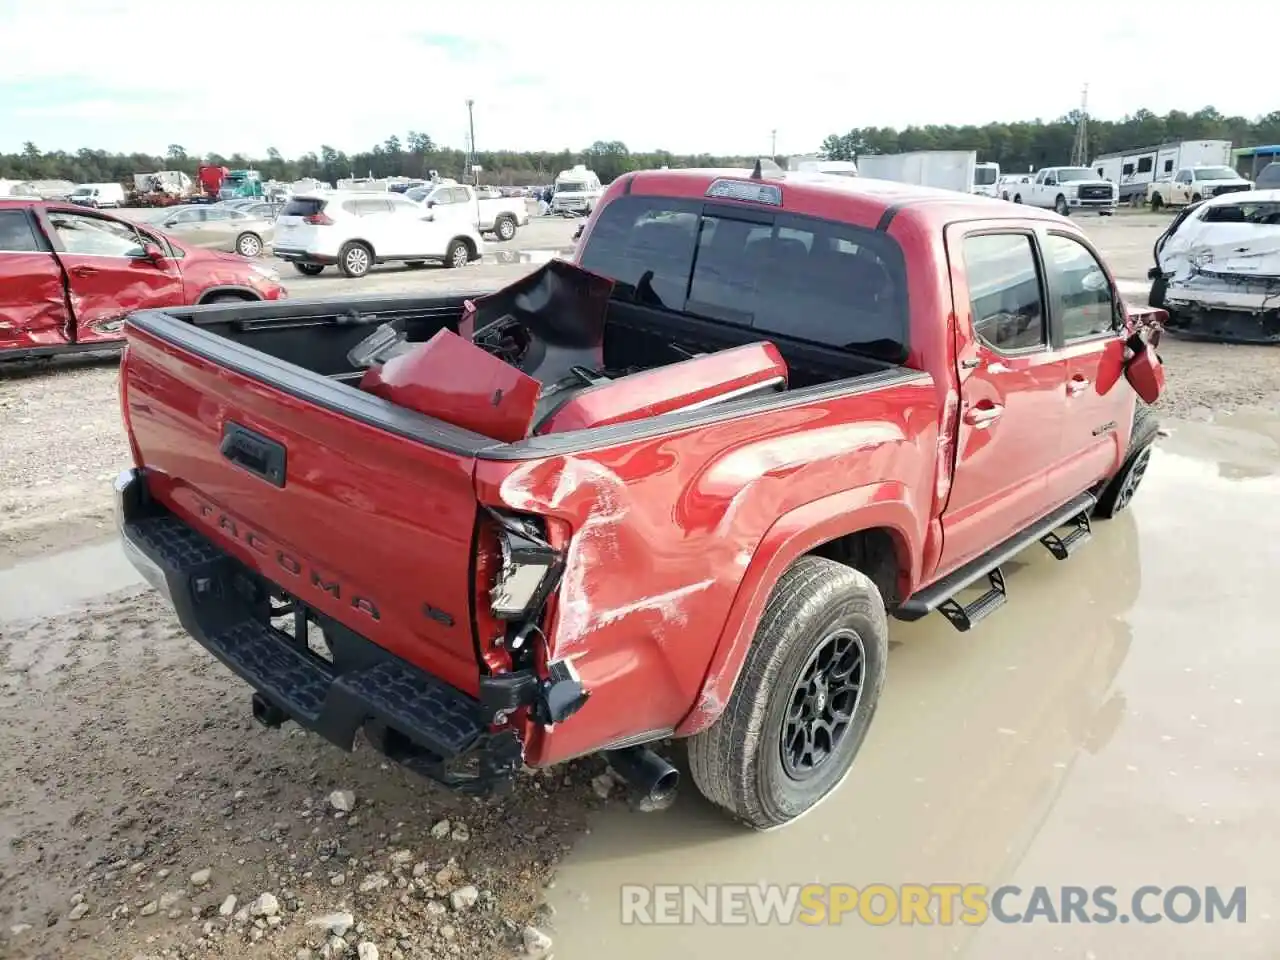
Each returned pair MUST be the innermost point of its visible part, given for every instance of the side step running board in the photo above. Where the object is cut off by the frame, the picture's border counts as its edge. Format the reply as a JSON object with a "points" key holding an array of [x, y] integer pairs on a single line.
{"points": [[1063, 546], [940, 596]]}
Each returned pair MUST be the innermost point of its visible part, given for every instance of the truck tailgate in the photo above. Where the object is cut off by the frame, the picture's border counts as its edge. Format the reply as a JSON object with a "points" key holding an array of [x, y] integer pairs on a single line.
{"points": [[281, 483]]}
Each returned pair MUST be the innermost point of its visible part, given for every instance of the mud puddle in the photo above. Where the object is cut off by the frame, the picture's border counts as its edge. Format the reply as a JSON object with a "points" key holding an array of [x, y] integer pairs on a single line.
{"points": [[1114, 724], [52, 585]]}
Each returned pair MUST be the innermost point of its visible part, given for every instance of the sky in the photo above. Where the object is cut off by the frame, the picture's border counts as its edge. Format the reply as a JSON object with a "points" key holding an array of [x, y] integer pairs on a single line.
{"points": [[699, 76]]}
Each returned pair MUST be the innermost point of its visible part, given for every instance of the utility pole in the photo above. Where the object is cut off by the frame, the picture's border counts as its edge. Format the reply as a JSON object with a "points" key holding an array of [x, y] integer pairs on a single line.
{"points": [[773, 144], [1080, 149], [471, 123]]}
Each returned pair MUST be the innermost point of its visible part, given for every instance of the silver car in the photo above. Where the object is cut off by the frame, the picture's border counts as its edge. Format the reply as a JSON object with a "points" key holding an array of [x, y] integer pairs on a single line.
{"points": [[246, 232]]}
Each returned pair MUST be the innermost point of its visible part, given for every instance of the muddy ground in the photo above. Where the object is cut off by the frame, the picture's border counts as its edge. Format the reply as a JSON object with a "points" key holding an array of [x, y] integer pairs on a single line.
{"points": [[138, 798]]}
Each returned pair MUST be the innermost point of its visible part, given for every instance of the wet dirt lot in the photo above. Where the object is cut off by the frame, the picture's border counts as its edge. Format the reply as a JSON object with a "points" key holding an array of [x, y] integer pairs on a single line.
{"points": [[1112, 725]]}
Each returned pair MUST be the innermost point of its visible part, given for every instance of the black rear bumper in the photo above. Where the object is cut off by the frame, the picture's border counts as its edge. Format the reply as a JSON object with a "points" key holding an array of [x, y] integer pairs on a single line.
{"points": [[410, 716]]}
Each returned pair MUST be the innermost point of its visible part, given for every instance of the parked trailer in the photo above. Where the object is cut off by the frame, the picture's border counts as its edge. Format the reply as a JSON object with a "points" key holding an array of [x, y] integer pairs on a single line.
{"points": [[944, 169], [1134, 170]]}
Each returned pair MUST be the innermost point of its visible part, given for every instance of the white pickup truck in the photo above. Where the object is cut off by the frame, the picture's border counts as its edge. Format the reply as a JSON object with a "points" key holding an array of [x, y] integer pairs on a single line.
{"points": [[1068, 188], [1193, 184], [456, 201]]}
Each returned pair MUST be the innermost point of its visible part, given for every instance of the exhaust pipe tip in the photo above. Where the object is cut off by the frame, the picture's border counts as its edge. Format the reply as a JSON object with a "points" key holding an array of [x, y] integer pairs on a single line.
{"points": [[267, 713], [654, 782]]}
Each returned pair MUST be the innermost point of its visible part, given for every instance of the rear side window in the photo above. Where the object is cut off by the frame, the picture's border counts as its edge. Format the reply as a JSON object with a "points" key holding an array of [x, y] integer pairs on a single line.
{"points": [[1259, 214], [16, 233], [829, 283], [1005, 292], [302, 207]]}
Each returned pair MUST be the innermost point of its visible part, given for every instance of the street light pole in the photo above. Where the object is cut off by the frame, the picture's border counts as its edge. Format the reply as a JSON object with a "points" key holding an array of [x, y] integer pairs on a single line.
{"points": [[471, 122]]}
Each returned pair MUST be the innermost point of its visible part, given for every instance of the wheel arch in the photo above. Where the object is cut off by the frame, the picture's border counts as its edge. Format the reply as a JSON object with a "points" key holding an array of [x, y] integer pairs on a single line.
{"points": [[473, 251], [244, 293], [363, 242], [873, 526]]}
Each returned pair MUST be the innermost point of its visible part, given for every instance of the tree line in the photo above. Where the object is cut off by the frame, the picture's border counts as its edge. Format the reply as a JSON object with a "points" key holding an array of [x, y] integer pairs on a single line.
{"points": [[416, 155], [1034, 144], [1015, 146]]}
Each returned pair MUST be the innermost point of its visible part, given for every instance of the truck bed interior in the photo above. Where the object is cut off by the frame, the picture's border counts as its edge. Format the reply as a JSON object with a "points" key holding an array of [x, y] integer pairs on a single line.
{"points": [[317, 336]]}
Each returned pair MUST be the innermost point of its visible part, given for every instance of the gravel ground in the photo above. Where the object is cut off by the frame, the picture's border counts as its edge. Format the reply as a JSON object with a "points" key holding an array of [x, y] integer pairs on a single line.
{"points": [[145, 815], [138, 798]]}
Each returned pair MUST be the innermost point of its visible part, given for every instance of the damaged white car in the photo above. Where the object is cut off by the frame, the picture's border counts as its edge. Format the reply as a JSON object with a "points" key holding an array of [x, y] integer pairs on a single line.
{"points": [[1217, 269]]}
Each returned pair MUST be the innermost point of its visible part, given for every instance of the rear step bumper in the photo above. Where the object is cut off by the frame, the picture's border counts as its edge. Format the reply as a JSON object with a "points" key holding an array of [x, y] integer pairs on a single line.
{"points": [[410, 716]]}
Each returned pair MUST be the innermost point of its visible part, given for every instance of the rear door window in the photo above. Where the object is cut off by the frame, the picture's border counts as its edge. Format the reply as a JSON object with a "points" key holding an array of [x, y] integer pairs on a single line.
{"points": [[1005, 293], [16, 233], [829, 283]]}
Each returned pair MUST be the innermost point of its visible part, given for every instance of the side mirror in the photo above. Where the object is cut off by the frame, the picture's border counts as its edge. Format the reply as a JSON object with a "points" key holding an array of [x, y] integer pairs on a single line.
{"points": [[150, 251], [430, 204]]}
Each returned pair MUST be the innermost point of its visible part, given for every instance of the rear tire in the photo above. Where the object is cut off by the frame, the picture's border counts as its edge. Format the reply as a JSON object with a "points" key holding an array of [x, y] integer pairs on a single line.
{"points": [[249, 245], [505, 228], [355, 259], [309, 269], [808, 689], [1118, 492], [1017, 198], [458, 254]]}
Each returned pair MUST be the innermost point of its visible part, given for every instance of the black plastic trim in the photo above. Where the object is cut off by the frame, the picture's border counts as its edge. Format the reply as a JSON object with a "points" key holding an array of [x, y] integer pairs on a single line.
{"points": [[886, 218], [926, 600]]}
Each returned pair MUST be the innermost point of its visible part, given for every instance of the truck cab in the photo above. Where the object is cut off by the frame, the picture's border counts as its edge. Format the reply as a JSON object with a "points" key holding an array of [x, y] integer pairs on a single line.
{"points": [[986, 177], [576, 192]]}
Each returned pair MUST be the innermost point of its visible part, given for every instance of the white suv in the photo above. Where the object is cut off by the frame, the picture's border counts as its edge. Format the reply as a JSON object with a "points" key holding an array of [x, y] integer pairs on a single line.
{"points": [[356, 230]]}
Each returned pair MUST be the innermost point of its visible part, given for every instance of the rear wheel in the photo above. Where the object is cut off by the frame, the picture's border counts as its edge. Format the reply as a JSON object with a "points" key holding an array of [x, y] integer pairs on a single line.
{"points": [[805, 698], [458, 254], [1017, 198], [309, 269], [1118, 492], [505, 228], [355, 259], [248, 245]]}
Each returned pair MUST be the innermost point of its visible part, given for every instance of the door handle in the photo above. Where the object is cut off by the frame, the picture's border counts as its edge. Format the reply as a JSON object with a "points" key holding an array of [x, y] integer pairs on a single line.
{"points": [[1077, 385], [83, 271], [982, 417]]}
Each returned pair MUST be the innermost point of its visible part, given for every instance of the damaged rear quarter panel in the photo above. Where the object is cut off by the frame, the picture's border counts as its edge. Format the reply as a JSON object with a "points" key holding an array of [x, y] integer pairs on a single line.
{"points": [[665, 530]]}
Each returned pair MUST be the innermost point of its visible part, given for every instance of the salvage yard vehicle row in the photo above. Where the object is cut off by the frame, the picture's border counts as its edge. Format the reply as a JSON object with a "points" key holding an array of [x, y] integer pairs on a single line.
{"points": [[673, 488]]}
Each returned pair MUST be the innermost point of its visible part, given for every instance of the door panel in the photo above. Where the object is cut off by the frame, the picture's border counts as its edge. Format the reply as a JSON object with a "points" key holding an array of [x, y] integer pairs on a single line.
{"points": [[1088, 315], [33, 304], [106, 277], [1011, 394]]}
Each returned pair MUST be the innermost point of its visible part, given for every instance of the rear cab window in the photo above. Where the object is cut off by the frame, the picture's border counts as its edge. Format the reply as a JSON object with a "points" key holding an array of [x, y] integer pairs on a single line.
{"points": [[824, 282]]}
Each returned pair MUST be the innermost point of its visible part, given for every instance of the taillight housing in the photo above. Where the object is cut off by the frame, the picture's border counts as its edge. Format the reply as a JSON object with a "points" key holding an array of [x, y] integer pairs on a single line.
{"points": [[320, 219], [529, 569]]}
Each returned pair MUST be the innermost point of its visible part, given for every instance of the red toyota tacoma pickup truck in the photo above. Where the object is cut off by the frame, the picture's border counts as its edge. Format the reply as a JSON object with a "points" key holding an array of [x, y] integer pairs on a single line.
{"points": [[672, 488], [69, 276]]}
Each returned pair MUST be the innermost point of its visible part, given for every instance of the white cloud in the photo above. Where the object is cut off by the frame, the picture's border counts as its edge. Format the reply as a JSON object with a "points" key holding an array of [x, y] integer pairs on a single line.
{"points": [[708, 75]]}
